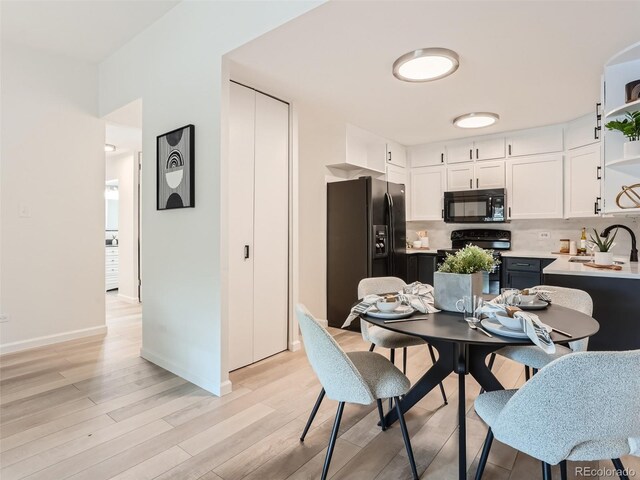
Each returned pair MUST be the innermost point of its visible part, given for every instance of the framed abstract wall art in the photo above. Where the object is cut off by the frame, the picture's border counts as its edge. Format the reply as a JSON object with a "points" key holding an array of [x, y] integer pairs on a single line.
{"points": [[175, 169]]}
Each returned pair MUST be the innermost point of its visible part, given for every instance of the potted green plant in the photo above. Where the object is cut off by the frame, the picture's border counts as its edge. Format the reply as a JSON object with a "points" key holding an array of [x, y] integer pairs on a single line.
{"points": [[602, 247], [460, 275], [630, 128]]}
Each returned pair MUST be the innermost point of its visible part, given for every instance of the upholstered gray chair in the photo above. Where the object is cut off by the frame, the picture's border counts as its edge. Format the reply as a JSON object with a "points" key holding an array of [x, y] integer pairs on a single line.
{"points": [[355, 377], [532, 356], [581, 407], [381, 337]]}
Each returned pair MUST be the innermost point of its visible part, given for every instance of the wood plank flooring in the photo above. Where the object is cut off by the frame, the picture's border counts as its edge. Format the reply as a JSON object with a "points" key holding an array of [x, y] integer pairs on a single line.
{"points": [[93, 409]]}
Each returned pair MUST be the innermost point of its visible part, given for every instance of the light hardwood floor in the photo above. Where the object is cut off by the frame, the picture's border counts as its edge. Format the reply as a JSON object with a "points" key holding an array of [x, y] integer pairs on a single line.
{"points": [[93, 409]]}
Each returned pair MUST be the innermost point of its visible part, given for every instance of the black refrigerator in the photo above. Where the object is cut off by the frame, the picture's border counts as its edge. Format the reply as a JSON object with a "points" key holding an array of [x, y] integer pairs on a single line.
{"points": [[366, 237]]}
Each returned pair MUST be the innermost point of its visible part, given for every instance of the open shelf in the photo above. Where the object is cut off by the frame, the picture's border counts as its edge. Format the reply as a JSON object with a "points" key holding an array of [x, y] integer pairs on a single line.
{"points": [[627, 107], [624, 162]]}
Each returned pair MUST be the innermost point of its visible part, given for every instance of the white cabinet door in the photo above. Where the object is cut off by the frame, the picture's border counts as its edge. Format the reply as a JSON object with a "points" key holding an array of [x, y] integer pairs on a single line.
{"points": [[490, 174], [582, 183], [534, 187], [241, 163], [396, 174], [489, 149], [426, 155], [460, 177], [459, 152], [396, 154], [535, 141], [427, 190], [582, 131]]}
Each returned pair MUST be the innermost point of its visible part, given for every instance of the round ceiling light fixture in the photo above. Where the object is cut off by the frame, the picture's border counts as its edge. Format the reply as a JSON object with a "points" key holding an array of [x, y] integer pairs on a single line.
{"points": [[426, 65], [476, 120]]}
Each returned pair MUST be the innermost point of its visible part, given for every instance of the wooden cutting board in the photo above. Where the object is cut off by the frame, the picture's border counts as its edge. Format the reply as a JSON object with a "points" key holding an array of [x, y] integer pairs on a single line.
{"points": [[603, 267]]}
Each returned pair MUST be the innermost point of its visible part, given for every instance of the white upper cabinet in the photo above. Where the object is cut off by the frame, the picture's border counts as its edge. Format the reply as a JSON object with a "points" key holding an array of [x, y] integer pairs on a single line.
{"points": [[426, 155], [535, 141], [460, 152], [427, 191], [490, 174], [582, 182], [489, 149], [534, 187], [396, 154], [582, 131], [396, 174], [460, 177], [364, 150]]}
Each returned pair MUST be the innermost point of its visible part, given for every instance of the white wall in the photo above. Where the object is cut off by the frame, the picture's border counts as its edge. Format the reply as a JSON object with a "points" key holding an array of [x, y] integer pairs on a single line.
{"points": [[52, 256], [174, 66], [124, 169]]}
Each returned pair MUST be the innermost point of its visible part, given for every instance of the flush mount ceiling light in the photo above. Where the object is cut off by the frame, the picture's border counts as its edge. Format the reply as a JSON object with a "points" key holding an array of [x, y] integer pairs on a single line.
{"points": [[109, 148], [426, 65], [476, 120]]}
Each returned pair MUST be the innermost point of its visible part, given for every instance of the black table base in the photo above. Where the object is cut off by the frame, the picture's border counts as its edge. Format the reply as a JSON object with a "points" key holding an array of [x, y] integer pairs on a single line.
{"points": [[462, 359]]}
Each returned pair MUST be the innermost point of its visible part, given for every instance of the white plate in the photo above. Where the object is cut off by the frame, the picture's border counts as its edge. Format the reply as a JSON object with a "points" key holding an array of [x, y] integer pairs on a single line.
{"points": [[403, 311], [494, 326], [535, 305]]}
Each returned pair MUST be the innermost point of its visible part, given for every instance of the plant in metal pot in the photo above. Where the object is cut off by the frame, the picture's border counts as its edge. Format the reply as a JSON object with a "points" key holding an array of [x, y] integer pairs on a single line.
{"points": [[602, 247], [630, 128], [460, 275]]}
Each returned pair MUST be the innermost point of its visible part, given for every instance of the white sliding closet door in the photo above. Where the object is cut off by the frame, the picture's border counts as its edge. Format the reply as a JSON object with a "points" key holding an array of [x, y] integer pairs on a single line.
{"points": [[241, 160], [271, 227], [259, 220]]}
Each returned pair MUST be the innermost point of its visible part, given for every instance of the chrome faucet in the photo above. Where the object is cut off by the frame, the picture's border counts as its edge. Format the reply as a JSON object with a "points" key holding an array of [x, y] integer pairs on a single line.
{"points": [[634, 248]]}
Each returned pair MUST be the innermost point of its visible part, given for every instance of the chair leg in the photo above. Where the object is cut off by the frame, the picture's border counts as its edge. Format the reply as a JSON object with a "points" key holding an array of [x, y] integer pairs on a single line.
{"points": [[620, 469], [546, 471], [392, 359], [373, 345], [381, 413], [563, 470], [527, 374], [484, 455], [407, 441], [492, 359], [312, 415], [433, 361], [332, 440], [404, 360]]}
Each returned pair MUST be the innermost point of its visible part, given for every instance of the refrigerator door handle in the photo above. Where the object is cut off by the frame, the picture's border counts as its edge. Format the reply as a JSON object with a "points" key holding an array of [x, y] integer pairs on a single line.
{"points": [[391, 239]]}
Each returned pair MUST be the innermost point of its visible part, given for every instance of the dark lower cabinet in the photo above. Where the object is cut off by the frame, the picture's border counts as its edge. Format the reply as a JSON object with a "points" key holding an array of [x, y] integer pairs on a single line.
{"points": [[520, 272], [421, 267]]}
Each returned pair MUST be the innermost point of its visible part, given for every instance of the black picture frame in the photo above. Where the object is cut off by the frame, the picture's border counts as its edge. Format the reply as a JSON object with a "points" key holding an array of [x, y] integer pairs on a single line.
{"points": [[175, 169]]}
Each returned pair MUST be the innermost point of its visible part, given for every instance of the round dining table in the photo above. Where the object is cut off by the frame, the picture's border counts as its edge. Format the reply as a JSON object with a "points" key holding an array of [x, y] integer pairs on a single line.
{"points": [[463, 351]]}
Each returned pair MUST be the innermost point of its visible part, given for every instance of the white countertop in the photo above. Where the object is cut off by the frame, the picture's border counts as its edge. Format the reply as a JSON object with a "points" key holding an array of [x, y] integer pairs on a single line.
{"points": [[562, 266]]}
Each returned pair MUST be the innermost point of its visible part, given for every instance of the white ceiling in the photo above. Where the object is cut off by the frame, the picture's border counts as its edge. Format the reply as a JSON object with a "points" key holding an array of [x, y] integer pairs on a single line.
{"points": [[82, 29], [533, 63]]}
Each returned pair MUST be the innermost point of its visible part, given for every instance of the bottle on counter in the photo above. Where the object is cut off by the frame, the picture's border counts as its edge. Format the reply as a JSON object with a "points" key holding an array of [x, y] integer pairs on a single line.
{"points": [[583, 240]]}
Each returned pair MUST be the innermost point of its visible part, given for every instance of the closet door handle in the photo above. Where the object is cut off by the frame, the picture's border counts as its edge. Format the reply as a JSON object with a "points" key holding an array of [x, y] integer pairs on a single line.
{"points": [[246, 252]]}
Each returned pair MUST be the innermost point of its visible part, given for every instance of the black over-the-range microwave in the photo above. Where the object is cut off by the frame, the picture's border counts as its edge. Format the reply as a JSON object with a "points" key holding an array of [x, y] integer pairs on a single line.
{"points": [[475, 206]]}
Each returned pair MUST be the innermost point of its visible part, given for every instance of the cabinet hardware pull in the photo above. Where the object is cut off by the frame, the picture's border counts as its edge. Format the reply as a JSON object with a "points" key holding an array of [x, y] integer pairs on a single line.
{"points": [[470, 183], [598, 114], [596, 133], [442, 158], [509, 212], [477, 181], [599, 173], [598, 127], [443, 213], [389, 157], [470, 154], [509, 149], [522, 264], [477, 153], [596, 206], [246, 252]]}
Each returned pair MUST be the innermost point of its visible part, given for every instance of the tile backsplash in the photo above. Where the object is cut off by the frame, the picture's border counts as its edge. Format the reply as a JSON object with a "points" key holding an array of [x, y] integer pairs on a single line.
{"points": [[524, 233]]}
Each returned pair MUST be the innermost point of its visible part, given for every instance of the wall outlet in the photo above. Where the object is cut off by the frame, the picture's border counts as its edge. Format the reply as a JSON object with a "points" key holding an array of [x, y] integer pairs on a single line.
{"points": [[544, 236], [4, 318]]}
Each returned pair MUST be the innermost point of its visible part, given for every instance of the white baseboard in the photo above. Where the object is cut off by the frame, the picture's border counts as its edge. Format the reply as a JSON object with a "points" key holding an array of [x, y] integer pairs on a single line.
{"points": [[128, 299], [208, 385], [323, 322], [295, 346], [51, 339]]}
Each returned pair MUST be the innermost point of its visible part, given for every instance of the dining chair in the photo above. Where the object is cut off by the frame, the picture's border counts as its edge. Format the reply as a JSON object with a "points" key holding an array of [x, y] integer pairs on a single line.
{"points": [[354, 377], [580, 407], [534, 357], [381, 337]]}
